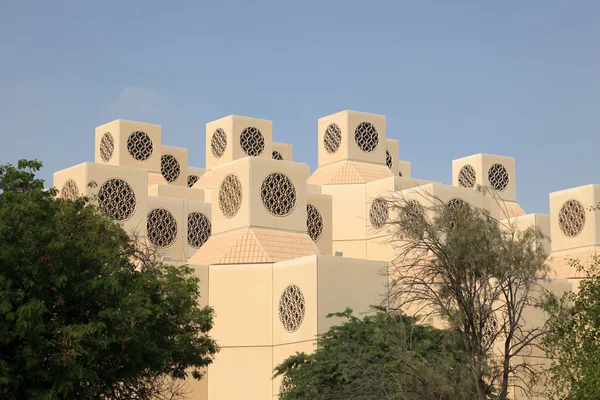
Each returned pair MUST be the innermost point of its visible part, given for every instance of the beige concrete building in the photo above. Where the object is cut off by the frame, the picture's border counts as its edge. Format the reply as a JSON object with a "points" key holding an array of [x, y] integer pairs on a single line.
{"points": [[277, 248]]}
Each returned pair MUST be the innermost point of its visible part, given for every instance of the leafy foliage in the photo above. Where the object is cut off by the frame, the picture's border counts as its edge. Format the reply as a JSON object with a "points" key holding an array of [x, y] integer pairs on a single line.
{"points": [[382, 356], [479, 275], [573, 339], [82, 313]]}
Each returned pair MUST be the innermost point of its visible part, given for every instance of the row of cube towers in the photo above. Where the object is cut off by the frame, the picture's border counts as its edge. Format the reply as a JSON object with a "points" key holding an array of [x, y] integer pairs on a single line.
{"points": [[251, 184]]}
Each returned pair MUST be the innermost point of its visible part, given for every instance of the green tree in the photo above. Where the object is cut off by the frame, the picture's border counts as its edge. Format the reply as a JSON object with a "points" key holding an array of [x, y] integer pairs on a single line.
{"points": [[477, 274], [382, 356], [573, 339], [84, 313]]}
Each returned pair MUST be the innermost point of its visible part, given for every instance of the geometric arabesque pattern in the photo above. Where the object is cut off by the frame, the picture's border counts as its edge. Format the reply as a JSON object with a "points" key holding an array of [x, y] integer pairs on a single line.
{"points": [[218, 143], [107, 147], [161, 227], [366, 137], [199, 229], [70, 191], [314, 222], [389, 161], [277, 155], [292, 308], [498, 177], [332, 138], [278, 194], [252, 141], [192, 179], [230, 196], [571, 218], [467, 176], [379, 213], [169, 168], [140, 146], [117, 199]]}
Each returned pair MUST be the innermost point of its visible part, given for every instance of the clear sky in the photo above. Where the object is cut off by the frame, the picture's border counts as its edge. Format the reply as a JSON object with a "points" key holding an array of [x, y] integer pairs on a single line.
{"points": [[454, 78]]}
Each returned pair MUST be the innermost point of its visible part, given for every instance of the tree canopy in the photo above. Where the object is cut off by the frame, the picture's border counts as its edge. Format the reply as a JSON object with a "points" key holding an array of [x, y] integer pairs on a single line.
{"points": [[83, 313], [573, 338], [381, 356]]}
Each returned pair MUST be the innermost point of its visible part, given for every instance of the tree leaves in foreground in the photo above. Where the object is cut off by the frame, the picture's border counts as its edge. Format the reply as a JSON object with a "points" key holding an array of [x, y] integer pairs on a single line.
{"points": [[382, 356], [82, 313], [573, 339]]}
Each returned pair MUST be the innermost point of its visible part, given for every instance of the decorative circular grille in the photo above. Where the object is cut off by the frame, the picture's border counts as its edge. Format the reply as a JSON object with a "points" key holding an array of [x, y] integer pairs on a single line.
{"points": [[333, 138], [314, 222], [366, 137], [388, 159], [192, 179], [456, 203], [277, 155], [414, 210], [162, 227], [498, 177], [453, 206], [252, 141], [199, 229], [379, 213], [117, 198], [107, 146], [218, 143], [467, 176], [230, 196], [278, 194], [169, 168], [571, 218], [70, 191], [291, 308], [140, 146], [490, 328]]}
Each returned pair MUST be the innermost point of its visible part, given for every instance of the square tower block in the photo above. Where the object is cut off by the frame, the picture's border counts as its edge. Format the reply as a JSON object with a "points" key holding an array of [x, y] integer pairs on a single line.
{"points": [[194, 174], [174, 165], [352, 135], [259, 192], [319, 221], [198, 217], [167, 228], [176, 192], [121, 191], [282, 151], [392, 155], [234, 137], [129, 144], [404, 169], [156, 178], [573, 222], [496, 172]]}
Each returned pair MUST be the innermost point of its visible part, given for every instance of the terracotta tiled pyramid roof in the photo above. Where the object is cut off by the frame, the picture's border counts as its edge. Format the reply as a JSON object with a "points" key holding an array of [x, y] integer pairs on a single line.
{"points": [[254, 245], [348, 172]]}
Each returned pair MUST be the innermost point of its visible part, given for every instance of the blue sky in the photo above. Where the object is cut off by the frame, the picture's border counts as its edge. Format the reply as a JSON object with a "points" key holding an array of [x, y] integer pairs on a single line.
{"points": [[454, 78]]}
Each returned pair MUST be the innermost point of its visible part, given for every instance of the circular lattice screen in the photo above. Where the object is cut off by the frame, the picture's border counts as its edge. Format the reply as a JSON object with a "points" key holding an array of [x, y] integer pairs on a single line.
{"points": [[314, 222], [456, 203], [218, 143], [117, 199], [332, 138], [107, 147], [489, 332], [467, 176], [278, 194], [366, 137], [199, 229], [413, 211], [571, 218], [162, 227], [140, 146], [169, 168], [389, 161], [70, 191], [192, 179], [230, 196], [379, 213], [252, 141], [498, 177], [454, 206], [291, 308], [277, 155]]}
